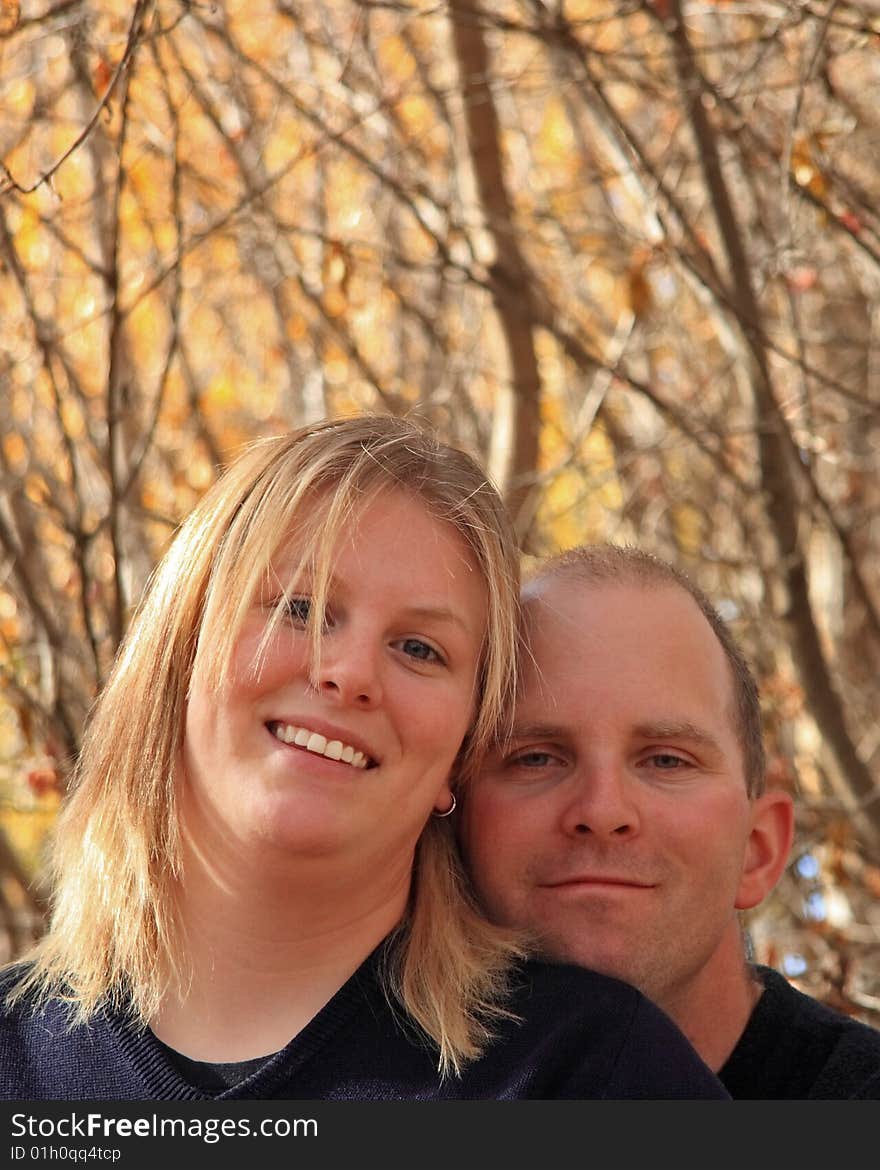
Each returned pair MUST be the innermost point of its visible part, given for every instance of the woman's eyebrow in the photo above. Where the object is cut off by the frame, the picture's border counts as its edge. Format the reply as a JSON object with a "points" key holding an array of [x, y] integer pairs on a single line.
{"points": [[437, 613]]}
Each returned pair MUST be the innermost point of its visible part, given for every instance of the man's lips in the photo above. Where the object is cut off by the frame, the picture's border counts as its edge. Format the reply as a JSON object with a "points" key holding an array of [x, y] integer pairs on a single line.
{"points": [[588, 880]]}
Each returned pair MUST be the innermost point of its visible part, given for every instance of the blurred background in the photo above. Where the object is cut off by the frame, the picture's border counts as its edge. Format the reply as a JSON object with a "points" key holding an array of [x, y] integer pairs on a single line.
{"points": [[627, 254]]}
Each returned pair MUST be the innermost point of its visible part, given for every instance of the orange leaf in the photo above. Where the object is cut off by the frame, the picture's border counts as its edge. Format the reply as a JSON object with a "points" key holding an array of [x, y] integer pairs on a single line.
{"points": [[872, 880], [101, 77], [10, 11], [850, 221], [802, 278], [42, 780]]}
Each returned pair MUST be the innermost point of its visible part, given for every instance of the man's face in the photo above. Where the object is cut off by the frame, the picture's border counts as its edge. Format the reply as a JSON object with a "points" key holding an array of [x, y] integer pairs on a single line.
{"points": [[616, 825]]}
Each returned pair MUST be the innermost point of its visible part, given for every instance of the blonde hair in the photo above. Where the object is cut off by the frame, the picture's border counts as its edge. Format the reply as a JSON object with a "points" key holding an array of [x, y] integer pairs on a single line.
{"points": [[114, 935]]}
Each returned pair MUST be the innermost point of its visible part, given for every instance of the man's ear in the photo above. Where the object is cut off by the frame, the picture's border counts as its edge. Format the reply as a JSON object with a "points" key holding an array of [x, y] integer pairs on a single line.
{"points": [[767, 849]]}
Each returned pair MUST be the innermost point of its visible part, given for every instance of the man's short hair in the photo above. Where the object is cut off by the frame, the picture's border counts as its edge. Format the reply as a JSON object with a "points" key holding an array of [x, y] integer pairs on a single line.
{"points": [[601, 564]]}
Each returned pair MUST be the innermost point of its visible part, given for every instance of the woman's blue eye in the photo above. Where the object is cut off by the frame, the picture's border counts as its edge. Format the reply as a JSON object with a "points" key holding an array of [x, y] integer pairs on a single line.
{"points": [[299, 608], [416, 648]]}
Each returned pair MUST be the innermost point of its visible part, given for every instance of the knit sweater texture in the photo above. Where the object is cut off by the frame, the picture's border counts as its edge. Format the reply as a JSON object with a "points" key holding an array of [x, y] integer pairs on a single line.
{"points": [[796, 1048], [580, 1035]]}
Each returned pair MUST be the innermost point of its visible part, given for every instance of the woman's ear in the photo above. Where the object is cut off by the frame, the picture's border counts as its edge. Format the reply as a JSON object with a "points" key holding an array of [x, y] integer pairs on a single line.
{"points": [[446, 803], [767, 848]]}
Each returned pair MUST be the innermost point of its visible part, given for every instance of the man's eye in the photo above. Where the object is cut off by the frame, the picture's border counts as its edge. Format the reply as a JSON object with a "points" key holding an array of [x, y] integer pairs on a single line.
{"points": [[416, 648], [667, 761], [531, 760]]}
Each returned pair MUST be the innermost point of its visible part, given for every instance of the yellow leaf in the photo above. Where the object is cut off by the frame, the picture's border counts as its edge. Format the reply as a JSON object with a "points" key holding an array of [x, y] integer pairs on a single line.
{"points": [[19, 98], [335, 302], [15, 448], [554, 139], [395, 59], [221, 392], [417, 114]]}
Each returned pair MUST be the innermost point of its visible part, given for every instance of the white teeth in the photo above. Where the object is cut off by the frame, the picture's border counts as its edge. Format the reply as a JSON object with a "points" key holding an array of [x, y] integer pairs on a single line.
{"points": [[313, 741], [316, 743]]}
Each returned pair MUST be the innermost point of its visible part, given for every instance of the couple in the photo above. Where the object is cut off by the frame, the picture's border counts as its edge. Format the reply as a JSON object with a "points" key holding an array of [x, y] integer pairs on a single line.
{"points": [[258, 891]]}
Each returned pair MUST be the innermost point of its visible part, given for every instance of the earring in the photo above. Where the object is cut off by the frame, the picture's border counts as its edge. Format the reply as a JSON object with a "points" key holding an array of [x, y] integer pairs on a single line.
{"points": [[449, 811]]}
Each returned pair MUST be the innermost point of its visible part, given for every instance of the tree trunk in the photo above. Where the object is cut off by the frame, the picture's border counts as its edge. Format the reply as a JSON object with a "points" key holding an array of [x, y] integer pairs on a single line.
{"points": [[517, 422]]}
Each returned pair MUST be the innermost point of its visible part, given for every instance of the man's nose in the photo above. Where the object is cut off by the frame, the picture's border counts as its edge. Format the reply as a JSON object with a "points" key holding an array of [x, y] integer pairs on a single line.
{"points": [[602, 801]]}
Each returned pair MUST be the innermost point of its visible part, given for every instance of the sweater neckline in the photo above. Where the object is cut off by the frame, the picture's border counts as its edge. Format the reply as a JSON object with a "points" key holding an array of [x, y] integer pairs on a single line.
{"points": [[164, 1081], [212, 1075]]}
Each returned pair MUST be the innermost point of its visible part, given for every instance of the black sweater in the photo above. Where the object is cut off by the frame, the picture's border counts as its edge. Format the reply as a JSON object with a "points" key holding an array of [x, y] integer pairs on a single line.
{"points": [[581, 1035], [795, 1048]]}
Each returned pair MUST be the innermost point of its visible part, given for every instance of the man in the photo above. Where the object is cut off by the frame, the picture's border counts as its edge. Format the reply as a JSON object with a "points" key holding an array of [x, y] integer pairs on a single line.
{"points": [[626, 823]]}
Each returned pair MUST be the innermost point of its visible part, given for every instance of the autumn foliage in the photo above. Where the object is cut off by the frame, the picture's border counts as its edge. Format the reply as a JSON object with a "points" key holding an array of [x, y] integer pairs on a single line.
{"points": [[626, 253]]}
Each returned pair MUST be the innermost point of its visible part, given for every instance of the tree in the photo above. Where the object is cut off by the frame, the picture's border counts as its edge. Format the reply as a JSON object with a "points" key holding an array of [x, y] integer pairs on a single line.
{"points": [[627, 254]]}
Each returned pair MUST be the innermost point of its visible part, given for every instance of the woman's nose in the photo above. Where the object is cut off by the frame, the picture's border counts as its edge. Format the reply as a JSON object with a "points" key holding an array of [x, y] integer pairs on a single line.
{"points": [[348, 669]]}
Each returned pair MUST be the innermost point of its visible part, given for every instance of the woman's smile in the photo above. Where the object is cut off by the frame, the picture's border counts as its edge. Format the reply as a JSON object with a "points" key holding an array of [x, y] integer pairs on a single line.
{"points": [[314, 741]]}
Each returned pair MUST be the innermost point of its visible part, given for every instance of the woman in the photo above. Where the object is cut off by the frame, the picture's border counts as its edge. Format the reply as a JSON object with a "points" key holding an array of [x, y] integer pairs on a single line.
{"points": [[257, 891]]}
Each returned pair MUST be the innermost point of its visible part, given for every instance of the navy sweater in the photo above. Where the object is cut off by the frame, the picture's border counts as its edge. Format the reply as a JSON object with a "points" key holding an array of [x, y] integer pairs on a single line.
{"points": [[581, 1035], [795, 1048]]}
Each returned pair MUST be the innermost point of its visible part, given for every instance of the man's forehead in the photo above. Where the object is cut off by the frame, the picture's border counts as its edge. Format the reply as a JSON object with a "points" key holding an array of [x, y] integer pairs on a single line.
{"points": [[578, 632], [579, 608]]}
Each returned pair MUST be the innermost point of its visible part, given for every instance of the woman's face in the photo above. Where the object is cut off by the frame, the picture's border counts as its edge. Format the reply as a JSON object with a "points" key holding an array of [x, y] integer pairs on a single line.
{"points": [[351, 763]]}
